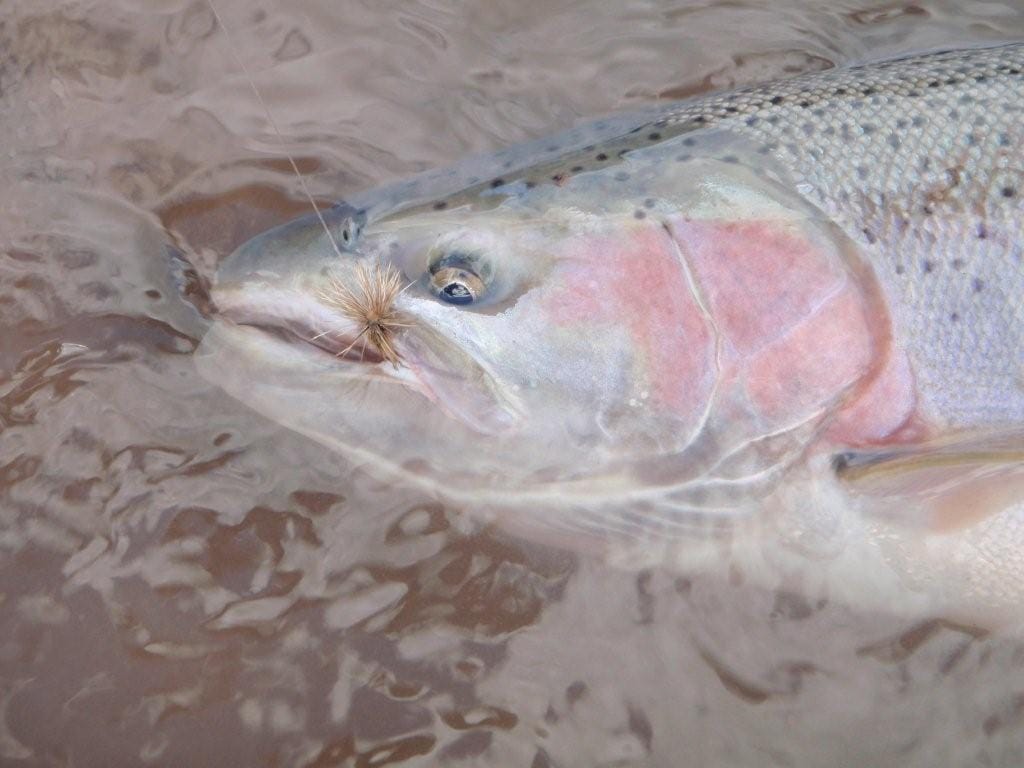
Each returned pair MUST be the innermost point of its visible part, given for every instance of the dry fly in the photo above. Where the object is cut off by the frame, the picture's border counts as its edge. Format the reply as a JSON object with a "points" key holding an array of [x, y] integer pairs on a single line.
{"points": [[372, 303]]}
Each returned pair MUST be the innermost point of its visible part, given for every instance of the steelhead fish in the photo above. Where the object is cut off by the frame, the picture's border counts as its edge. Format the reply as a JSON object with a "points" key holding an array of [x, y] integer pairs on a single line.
{"points": [[799, 303]]}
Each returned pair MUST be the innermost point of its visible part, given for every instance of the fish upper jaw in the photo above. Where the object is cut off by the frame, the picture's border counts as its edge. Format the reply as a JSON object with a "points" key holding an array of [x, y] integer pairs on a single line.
{"points": [[291, 315]]}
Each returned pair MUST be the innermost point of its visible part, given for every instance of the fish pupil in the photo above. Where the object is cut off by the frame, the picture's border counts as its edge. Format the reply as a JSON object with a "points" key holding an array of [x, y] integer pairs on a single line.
{"points": [[457, 293]]}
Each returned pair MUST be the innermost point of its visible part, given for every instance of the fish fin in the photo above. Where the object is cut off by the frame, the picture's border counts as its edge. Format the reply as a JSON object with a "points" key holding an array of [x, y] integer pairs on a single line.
{"points": [[957, 479]]}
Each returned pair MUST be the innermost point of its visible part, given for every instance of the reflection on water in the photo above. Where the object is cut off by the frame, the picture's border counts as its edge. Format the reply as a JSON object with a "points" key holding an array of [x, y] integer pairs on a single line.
{"points": [[183, 583]]}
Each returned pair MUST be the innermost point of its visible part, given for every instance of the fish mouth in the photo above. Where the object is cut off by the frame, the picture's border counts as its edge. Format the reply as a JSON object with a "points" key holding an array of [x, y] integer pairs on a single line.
{"points": [[430, 364], [292, 318], [339, 346]]}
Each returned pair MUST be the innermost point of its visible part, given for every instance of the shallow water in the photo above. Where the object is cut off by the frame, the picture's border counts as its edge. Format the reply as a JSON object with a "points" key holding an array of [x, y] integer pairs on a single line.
{"points": [[184, 583]]}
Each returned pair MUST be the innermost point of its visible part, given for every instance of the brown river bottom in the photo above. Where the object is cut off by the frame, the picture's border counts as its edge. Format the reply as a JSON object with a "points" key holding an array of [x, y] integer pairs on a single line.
{"points": [[183, 583]]}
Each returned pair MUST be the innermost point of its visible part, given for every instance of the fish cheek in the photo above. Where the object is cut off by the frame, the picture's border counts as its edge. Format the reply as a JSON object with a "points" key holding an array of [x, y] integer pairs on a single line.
{"points": [[626, 295], [798, 325]]}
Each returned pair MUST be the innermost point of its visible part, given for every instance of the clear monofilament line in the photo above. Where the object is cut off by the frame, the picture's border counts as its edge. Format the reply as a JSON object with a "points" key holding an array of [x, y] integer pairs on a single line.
{"points": [[373, 305], [273, 124]]}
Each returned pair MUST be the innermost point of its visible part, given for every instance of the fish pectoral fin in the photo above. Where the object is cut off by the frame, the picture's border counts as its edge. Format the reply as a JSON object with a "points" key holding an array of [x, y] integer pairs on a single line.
{"points": [[955, 480]]}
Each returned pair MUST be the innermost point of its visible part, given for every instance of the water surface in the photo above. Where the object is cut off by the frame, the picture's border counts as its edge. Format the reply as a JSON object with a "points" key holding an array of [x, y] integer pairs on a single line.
{"points": [[184, 583]]}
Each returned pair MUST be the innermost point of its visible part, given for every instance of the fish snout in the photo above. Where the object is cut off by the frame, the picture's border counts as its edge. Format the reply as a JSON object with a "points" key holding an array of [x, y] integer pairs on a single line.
{"points": [[309, 243]]}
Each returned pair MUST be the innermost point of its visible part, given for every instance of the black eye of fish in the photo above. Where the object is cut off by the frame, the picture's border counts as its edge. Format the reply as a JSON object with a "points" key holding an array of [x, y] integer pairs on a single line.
{"points": [[456, 285]]}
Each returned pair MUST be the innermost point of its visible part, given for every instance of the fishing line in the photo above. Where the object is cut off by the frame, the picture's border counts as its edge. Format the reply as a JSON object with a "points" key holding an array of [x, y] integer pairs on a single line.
{"points": [[273, 124]]}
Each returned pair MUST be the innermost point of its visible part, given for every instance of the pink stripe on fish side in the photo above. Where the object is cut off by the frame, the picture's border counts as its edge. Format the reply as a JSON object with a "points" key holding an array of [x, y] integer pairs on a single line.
{"points": [[884, 410], [760, 277], [800, 328], [813, 362], [634, 280], [797, 328]]}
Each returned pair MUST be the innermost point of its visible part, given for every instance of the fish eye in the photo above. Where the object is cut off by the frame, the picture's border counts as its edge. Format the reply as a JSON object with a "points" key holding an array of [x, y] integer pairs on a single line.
{"points": [[457, 285], [460, 277]]}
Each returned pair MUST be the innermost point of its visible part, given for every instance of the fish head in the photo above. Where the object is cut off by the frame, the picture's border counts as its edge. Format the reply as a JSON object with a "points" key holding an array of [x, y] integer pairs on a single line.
{"points": [[516, 336]]}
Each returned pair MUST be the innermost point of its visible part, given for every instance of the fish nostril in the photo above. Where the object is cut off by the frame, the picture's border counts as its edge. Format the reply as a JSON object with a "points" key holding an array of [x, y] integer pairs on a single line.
{"points": [[347, 222]]}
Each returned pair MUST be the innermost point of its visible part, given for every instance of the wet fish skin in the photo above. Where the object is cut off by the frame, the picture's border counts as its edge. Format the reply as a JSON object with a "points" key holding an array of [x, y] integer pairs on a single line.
{"points": [[914, 161], [919, 160]]}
